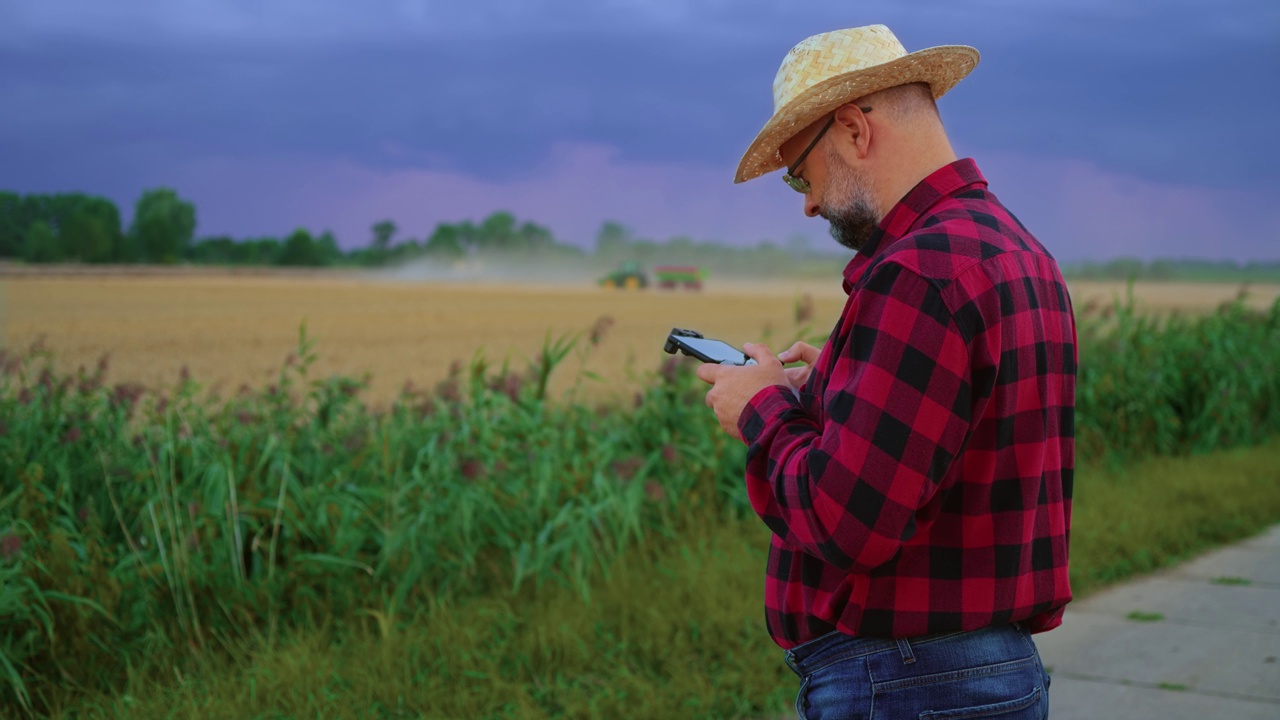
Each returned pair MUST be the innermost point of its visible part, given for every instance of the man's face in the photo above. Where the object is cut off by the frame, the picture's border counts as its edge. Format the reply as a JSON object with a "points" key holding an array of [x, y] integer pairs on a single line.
{"points": [[849, 205], [838, 192]]}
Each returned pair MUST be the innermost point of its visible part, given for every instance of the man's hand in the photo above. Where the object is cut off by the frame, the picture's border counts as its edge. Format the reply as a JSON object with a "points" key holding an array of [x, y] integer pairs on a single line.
{"points": [[733, 386], [800, 352]]}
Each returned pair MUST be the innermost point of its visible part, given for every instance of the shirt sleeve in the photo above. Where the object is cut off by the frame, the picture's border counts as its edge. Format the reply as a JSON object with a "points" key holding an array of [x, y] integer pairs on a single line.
{"points": [[896, 409]]}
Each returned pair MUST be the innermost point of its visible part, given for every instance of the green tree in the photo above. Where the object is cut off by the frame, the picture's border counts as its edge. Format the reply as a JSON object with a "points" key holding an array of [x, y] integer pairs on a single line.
{"points": [[612, 240], [40, 244], [1124, 268], [445, 242], [468, 235], [535, 237], [383, 232], [497, 232], [327, 251], [645, 252], [680, 249], [89, 238], [163, 225], [1161, 270], [85, 227], [799, 245], [213, 251], [13, 224], [299, 250], [89, 227], [258, 251]]}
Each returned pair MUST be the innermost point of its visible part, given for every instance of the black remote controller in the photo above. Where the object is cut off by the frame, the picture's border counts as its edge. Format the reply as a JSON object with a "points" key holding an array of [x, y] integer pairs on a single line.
{"points": [[693, 344]]}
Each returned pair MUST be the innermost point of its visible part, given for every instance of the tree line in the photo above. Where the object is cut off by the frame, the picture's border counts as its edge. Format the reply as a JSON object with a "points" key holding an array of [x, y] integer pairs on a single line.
{"points": [[77, 227], [1189, 269], [86, 228]]}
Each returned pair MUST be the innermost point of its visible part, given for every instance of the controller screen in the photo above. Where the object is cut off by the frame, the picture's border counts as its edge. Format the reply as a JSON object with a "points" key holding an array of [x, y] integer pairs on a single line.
{"points": [[718, 349]]}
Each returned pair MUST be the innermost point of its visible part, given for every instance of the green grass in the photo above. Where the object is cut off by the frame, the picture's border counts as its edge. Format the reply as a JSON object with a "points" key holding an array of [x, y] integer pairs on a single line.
{"points": [[1238, 581], [676, 629], [562, 559], [674, 632], [1172, 686], [1141, 616], [1165, 510], [1152, 386]]}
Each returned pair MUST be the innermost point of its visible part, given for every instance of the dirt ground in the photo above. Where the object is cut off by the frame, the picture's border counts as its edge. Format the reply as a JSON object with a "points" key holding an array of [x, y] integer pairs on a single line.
{"points": [[234, 329]]}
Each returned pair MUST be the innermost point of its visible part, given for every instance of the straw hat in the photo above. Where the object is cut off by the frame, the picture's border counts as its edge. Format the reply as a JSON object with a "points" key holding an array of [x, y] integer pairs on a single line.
{"points": [[825, 71]]}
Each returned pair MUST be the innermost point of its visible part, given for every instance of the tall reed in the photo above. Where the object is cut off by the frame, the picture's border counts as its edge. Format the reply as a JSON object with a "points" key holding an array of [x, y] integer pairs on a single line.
{"points": [[141, 523]]}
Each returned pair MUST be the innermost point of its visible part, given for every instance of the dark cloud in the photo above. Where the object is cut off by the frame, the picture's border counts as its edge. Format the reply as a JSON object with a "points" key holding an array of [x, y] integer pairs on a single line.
{"points": [[96, 99]]}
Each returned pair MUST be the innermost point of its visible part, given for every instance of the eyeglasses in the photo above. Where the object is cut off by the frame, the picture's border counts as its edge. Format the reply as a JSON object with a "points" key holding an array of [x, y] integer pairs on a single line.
{"points": [[799, 184]]}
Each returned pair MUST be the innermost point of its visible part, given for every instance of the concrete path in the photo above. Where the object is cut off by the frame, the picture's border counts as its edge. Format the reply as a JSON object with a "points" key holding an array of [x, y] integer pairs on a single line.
{"points": [[1195, 641]]}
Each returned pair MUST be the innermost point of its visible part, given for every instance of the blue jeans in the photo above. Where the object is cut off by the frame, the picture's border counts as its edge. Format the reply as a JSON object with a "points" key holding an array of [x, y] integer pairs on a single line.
{"points": [[989, 673]]}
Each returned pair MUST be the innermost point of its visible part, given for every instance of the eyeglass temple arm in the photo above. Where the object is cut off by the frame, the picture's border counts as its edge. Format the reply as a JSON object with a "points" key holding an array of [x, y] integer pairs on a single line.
{"points": [[815, 140]]}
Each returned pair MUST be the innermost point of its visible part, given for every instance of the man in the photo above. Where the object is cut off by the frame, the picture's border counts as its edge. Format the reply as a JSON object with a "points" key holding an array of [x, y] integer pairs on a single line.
{"points": [[916, 472]]}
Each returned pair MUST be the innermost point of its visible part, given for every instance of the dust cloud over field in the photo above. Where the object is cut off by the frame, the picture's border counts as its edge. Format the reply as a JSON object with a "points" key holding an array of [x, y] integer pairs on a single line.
{"points": [[535, 270], [413, 326], [233, 330], [572, 271]]}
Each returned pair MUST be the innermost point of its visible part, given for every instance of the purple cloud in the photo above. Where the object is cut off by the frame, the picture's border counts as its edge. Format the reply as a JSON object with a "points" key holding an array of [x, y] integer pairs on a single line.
{"points": [[574, 112], [1077, 209]]}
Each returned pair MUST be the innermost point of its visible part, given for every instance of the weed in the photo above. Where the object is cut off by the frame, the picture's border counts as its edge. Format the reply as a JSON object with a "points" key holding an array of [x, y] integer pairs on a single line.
{"points": [[1142, 616], [1231, 581]]}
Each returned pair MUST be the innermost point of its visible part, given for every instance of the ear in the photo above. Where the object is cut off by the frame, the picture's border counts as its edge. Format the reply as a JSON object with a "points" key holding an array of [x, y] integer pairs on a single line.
{"points": [[853, 130]]}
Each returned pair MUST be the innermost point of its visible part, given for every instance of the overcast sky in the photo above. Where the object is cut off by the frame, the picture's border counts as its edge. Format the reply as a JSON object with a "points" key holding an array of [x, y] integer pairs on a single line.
{"points": [[1109, 128]]}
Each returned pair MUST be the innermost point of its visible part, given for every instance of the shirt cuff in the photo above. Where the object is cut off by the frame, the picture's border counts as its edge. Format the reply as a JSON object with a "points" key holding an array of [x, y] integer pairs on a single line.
{"points": [[765, 408]]}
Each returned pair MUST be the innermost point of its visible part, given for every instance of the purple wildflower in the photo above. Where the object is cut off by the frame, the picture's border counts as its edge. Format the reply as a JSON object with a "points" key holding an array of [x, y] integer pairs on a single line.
{"points": [[804, 309], [670, 370], [627, 469], [10, 546], [655, 491], [600, 329], [670, 454], [126, 395], [449, 391], [511, 385], [471, 469]]}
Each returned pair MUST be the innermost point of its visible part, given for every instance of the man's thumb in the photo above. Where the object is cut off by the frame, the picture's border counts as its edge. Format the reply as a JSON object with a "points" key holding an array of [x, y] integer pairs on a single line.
{"points": [[757, 351]]}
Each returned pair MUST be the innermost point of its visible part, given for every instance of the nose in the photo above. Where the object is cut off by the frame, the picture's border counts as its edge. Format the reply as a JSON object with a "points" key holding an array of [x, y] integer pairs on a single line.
{"points": [[811, 206]]}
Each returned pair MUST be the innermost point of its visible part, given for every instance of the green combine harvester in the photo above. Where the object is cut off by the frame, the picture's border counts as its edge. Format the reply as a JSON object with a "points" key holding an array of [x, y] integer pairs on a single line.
{"points": [[629, 276]]}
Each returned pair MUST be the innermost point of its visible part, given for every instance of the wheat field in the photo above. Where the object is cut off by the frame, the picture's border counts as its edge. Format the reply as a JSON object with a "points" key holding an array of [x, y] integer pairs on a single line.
{"points": [[233, 330]]}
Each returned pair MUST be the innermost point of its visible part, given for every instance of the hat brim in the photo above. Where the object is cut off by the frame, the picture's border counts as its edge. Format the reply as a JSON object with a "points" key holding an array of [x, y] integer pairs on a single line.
{"points": [[941, 67]]}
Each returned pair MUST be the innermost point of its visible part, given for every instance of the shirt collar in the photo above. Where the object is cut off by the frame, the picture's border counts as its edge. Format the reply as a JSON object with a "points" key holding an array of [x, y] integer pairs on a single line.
{"points": [[906, 214]]}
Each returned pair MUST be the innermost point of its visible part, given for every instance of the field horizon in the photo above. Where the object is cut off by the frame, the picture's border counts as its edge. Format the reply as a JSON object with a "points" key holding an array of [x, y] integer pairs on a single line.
{"points": [[238, 328]]}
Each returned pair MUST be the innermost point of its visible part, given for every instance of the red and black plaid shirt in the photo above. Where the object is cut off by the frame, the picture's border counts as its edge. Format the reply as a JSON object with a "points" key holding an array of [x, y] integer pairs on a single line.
{"points": [[920, 481]]}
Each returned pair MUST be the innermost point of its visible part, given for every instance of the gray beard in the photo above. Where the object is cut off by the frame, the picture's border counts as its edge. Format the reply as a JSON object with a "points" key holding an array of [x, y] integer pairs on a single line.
{"points": [[853, 216]]}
